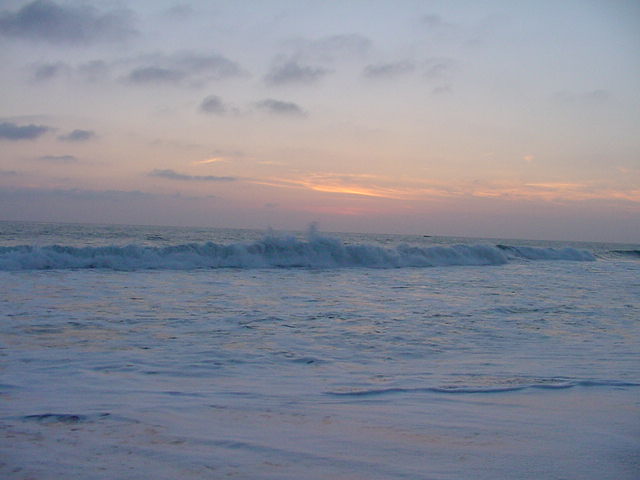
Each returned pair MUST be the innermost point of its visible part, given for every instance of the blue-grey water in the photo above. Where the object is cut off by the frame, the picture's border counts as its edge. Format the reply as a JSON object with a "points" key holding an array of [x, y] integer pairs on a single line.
{"points": [[160, 352]]}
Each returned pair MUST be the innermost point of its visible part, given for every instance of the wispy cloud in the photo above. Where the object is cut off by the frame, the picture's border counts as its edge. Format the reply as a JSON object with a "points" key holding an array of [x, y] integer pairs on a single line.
{"points": [[292, 72], [556, 185], [209, 161], [57, 159], [279, 107], [11, 131], [416, 190], [92, 71], [220, 156], [183, 67], [78, 135], [38, 195], [213, 105], [347, 184], [49, 71], [173, 175], [553, 191], [154, 74], [388, 70], [79, 24], [180, 11]]}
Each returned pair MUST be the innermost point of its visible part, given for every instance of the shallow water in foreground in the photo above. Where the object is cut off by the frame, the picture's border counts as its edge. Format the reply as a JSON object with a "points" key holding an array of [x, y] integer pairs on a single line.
{"points": [[524, 369]]}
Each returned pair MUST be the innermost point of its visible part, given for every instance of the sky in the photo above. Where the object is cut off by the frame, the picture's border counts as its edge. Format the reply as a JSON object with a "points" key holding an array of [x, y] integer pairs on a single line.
{"points": [[500, 119]]}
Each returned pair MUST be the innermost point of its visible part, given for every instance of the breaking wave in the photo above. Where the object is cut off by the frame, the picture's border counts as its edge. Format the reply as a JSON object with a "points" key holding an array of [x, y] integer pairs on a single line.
{"points": [[273, 252]]}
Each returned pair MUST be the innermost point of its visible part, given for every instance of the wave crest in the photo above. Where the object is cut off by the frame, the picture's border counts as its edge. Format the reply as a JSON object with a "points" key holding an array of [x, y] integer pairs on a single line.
{"points": [[272, 252]]}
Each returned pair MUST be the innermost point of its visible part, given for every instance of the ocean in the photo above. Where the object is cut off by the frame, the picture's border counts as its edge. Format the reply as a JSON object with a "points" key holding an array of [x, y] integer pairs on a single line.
{"points": [[135, 352]]}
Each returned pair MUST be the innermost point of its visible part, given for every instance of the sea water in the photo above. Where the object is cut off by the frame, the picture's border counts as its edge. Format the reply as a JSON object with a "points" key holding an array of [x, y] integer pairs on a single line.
{"points": [[165, 353]]}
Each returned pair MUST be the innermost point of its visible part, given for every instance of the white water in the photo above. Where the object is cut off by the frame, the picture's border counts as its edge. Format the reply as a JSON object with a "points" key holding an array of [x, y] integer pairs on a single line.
{"points": [[516, 369]]}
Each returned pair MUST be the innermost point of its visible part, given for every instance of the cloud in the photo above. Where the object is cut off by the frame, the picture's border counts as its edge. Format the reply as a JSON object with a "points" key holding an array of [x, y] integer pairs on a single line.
{"points": [[45, 20], [11, 131], [90, 71], [58, 159], [8, 173], [279, 107], [435, 69], [48, 71], [173, 175], [39, 195], [180, 11], [182, 67], [154, 74], [214, 105], [213, 64], [388, 70], [78, 136], [292, 72]]}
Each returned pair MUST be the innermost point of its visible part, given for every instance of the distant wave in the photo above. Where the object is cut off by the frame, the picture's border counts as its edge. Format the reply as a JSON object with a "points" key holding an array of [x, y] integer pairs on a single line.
{"points": [[457, 389], [635, 254], [534, 253], [273, 252]]}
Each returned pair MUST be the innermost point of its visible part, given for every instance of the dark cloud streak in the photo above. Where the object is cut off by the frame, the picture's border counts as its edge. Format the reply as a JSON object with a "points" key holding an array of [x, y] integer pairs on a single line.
{"points": [[292, 72], [44, 20], [11, 131], [183, 67], [146, 75], [214, 105], [78, 136], [279, 107], [173, 175], [388, 70], [58, 159], [48, 71]]}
